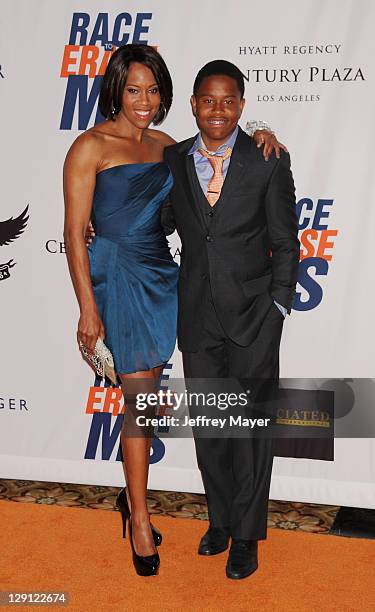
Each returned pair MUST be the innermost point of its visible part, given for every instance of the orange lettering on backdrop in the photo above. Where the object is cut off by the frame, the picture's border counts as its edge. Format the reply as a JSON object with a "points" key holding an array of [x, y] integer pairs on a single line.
{"points": [[113, 398], [69, 60], [106, 57], [306, 237], [89, 56], [93, 399], [324, 244]]}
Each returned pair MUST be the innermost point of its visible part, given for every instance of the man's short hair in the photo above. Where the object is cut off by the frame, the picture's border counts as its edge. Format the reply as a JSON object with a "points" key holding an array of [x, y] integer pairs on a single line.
{"points": [[220, 67]]}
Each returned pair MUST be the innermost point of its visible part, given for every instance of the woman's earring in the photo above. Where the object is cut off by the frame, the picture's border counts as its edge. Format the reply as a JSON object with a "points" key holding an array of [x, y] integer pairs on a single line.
{"points": [[113, 110]]}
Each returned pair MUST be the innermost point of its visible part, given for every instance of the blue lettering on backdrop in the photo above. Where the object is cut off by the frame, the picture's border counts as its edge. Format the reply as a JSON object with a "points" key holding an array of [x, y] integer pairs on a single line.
{"points": [[101, 428], [79, 34], [309, 284], [306, 204], [77, 89], [126, 29], [316, 246], [320, 214]]}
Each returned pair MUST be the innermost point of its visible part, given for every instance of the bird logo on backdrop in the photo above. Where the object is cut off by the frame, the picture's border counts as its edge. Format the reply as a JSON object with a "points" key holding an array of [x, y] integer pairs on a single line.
{"points": [[10, 230]]}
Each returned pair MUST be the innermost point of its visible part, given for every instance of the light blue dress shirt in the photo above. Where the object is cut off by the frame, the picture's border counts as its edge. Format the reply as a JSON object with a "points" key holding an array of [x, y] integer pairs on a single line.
{"points": [[202, 166], [205, 171]]}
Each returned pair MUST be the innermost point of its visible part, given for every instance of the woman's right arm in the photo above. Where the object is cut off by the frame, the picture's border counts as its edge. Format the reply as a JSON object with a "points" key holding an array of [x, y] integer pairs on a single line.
{"points": [[79, 184]]}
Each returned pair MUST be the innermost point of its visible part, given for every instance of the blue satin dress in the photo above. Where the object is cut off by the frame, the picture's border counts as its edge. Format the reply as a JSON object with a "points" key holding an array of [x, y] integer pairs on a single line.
{"points": [[133, 274]]}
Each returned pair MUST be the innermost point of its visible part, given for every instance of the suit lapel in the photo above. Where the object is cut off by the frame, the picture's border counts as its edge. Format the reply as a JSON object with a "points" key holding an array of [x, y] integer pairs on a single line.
{"points": [[242, 154], [199, 200], [235, 169], [191, 184]]}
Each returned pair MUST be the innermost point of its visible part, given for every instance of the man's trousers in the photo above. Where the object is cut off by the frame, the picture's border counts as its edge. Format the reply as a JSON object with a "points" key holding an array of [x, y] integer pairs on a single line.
{"points": [[236, 472]]}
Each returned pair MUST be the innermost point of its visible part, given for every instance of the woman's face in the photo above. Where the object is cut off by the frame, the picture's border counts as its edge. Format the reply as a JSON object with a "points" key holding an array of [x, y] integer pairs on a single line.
{"points": [[141, 97]]}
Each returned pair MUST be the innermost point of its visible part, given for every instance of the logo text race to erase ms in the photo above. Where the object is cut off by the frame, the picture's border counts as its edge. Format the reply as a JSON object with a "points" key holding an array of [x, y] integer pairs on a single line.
{"points": [[92, 41], [317, 243]]}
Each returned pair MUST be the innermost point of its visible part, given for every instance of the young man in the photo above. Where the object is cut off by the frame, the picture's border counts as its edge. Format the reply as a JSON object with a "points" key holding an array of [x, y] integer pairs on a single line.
{"points": [[235, 214]]}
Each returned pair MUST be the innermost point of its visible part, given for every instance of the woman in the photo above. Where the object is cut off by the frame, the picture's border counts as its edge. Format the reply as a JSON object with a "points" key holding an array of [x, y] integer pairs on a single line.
{"points": [[126, 281]]}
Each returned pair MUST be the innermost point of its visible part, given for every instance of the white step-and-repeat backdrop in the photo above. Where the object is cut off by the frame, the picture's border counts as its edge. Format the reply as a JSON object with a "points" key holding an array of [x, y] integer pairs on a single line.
{"points": [[309, 69]]}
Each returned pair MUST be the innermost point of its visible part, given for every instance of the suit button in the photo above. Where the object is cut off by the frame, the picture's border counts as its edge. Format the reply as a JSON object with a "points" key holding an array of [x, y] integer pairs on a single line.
{"points": [[204, 276], [208, 238], [211, 214]]}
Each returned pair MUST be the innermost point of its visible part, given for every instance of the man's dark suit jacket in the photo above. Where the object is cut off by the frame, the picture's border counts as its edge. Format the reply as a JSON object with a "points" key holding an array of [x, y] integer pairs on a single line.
{"points": [[250, 251]]}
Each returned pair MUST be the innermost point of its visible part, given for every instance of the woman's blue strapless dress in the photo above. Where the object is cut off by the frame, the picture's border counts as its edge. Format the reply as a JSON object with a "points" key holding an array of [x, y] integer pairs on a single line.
{"points": [[133, 274]]}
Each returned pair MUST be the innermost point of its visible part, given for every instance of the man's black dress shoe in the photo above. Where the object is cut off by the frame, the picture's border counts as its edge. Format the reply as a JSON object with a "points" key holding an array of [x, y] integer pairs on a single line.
{"points": [[242, 559], [214, 541]]}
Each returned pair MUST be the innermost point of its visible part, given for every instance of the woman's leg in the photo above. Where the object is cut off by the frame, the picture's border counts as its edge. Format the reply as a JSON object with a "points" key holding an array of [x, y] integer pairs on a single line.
{"points": [[136, 443], [157, 374]]}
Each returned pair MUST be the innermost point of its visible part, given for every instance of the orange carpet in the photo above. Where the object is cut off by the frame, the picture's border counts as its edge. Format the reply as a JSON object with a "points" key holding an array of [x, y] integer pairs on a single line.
{"points": [[81, 551]]}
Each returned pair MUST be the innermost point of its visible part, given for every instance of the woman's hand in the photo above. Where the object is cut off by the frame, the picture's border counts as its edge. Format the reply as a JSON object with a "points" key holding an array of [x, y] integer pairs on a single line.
{"points": [[90, 328], [270, 142], [90, 233]]}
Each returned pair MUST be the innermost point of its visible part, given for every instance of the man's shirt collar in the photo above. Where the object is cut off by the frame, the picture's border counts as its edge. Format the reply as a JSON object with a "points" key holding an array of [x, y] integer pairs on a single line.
{"points": [[199, 144]]}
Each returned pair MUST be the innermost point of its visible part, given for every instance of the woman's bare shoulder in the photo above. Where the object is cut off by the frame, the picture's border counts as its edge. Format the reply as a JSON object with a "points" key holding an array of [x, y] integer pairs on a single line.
{"points": [[86, 148], [161, 137]]}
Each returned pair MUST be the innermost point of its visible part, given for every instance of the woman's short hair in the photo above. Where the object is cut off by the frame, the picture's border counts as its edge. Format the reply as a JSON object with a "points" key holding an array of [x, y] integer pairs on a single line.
{"points": [[114, 79]]}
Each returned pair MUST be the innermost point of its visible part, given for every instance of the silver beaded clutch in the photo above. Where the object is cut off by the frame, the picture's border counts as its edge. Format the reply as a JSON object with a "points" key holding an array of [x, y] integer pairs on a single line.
{"points": [[101, 360]]}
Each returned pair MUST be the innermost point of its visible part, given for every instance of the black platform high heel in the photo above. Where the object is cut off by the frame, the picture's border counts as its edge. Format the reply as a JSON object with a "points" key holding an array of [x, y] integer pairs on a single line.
{"points": [[122, 504], [144, 566]]}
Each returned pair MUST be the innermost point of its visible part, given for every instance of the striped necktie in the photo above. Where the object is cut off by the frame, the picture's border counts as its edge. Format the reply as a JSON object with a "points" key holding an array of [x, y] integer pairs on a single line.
{"points": [[216, 182]]}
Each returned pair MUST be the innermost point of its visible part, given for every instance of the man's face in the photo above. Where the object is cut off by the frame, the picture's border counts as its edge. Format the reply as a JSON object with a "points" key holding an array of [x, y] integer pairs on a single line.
{"points": [[217, 107]]}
